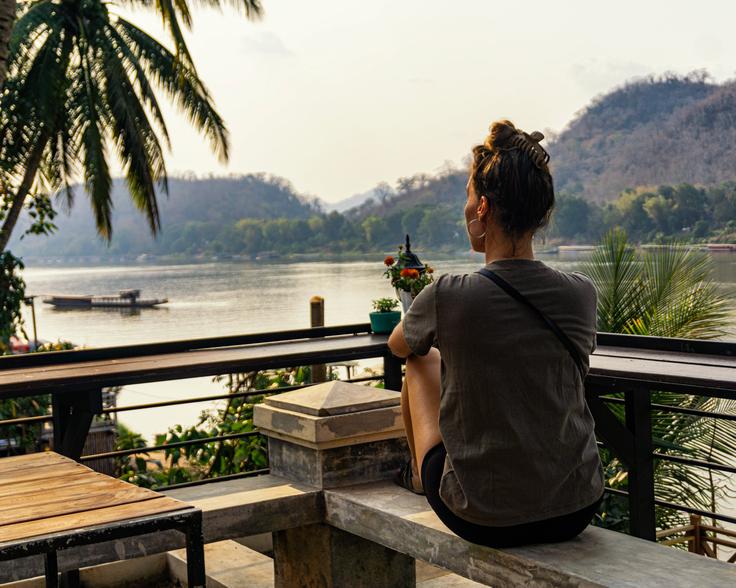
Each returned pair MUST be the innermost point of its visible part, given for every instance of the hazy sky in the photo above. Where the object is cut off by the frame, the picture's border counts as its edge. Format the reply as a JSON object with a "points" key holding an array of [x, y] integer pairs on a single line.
{"points": [[338, 95]]}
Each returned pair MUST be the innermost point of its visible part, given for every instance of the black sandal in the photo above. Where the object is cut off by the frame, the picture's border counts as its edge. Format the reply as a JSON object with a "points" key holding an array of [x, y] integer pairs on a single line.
{"points": [[405, 478]]}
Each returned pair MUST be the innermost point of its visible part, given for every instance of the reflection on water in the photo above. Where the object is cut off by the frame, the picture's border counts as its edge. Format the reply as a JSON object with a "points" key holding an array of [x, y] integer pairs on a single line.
{"points": [[223, 299]]}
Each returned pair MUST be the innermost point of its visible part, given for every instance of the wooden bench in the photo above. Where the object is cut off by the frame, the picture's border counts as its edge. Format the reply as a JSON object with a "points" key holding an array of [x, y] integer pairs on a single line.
{"points": [[50, 503], [383, 513]]}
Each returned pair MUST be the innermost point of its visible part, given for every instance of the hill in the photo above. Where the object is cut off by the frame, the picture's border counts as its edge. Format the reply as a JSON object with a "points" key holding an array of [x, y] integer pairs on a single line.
{"points": [[660, 130], [649, 132], [195, 212]]}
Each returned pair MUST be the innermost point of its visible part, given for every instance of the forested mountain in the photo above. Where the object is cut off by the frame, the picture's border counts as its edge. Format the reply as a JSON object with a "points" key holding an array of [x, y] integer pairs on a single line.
{"points": [[195, 213]]}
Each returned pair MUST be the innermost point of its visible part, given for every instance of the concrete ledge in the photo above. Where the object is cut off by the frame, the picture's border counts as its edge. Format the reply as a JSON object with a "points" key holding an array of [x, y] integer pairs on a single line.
{"points": [[386, 514], [231, 509], [252, 505]]}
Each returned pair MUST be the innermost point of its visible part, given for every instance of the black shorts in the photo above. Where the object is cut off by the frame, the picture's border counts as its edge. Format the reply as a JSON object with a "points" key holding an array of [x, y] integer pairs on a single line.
{"points": [[551, 530]]}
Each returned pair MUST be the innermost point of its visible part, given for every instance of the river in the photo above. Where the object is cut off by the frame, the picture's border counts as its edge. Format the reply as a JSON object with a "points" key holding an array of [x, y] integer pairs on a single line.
{"points": [[224, 298]]}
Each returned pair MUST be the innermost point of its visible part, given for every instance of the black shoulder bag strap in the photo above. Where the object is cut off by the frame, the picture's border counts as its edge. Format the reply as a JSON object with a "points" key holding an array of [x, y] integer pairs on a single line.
{"points": [[514, 293]]}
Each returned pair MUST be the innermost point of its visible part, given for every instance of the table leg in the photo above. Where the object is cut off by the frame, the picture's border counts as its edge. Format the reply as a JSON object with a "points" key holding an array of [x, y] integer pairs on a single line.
{"points": [[52, 569], [70, 579], [195, 552]]}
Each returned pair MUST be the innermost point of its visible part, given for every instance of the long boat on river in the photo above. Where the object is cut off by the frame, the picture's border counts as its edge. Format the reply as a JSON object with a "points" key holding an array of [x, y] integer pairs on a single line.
{"points": [[123, 299]]}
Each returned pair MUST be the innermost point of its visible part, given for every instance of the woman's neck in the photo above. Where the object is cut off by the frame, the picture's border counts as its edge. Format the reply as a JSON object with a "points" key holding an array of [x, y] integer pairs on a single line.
{"points": [[506, 248]]}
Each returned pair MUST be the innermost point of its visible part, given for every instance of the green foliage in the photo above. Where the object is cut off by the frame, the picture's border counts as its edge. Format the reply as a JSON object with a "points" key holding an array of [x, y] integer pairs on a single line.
{"points": [[215, 458], [685, 212], [41, 213], [407, 279], [12, 295], [571, 219], [666, 291], [385, 304], [25, 438]]}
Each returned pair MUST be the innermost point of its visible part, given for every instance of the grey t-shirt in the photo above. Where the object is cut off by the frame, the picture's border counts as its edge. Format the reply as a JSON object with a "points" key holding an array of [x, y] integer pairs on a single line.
{"points": [[513, 417]]}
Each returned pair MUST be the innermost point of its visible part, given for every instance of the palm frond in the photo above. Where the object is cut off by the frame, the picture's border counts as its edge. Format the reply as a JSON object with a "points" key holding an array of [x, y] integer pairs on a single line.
{"points": [[180, 83], [616, 273], [253, 9], [136, 71], [27, 31], [136, 142]]}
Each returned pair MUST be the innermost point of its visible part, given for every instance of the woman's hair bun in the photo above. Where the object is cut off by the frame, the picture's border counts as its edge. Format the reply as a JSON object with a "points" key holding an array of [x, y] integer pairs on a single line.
{"points": [[510, 169], [505, 136], [502, 132]]}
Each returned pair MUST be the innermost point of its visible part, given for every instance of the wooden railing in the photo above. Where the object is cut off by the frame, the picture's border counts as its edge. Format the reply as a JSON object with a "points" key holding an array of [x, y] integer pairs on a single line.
{"points": [[700, 537]]}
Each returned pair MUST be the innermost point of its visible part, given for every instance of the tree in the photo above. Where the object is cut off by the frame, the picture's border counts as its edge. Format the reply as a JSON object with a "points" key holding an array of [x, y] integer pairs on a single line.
{"points": [[571, 216], [439, 227], [667, 292], [80, 81]]}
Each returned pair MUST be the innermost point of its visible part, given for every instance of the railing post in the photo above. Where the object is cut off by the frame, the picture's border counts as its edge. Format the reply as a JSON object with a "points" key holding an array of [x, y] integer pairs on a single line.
{"points": [[392, 376], [317, 319], [693, 545], [641, 469], [72, 416]]}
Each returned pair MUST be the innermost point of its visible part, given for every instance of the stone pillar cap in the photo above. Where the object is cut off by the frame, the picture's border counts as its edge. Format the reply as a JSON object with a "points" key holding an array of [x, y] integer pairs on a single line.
{"points": [[334, 398], [332, 414]]}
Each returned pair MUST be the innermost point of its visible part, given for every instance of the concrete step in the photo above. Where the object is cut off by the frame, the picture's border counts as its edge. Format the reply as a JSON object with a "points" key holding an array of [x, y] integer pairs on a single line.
{"points": [[429, 576], [229, 565], [232, 565]]}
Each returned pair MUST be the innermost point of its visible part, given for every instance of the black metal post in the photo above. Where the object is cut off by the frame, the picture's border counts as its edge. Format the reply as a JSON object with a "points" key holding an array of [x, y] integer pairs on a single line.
{"points": [[196, 576], [70, 579], [73, 413], [52, 569], [392, 376], [641, 469]]}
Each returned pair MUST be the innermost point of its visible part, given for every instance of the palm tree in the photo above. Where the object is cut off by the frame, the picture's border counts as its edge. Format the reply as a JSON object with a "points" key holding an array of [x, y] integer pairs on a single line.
{"points": [[81, 84], [7, 16], [668, 292]]}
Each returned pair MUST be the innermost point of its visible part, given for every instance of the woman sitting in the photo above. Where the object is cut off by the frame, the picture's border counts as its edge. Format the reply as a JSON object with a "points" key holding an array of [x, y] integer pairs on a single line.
{"points": [[501, 437]]}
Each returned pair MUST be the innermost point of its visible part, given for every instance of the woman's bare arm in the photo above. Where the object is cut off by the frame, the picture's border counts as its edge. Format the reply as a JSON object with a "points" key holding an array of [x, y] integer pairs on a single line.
{"points": [[397, 342]]}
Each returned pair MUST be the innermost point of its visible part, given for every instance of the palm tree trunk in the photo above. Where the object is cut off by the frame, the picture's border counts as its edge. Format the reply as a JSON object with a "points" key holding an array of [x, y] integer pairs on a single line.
{"points": [[7, 18], [34, 161]]}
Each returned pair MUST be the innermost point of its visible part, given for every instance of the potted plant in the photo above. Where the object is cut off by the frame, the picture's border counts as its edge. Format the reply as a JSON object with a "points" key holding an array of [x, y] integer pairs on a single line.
{"points": [[385, 316], [408, 275]]}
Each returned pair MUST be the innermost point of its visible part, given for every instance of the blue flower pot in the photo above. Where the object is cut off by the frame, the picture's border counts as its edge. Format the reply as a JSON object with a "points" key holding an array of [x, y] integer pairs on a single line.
{"points": [[384, 322]]}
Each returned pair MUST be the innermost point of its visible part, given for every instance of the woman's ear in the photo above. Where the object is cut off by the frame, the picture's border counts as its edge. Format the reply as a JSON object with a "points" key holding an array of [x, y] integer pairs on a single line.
{"points": [[483, 207]]}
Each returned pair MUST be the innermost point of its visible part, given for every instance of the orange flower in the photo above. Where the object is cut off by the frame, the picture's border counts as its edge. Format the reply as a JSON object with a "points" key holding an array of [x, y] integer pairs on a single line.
{"points": [[430, 270], [389, 260], [409, 273]]}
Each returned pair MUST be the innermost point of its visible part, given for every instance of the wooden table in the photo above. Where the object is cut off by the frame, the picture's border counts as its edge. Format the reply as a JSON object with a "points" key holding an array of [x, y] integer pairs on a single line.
{"points": [[49, 502]]}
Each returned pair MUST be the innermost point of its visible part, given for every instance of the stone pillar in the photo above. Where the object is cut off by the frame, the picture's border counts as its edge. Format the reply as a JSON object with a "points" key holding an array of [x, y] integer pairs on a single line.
{"points": [[329, 435]]}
